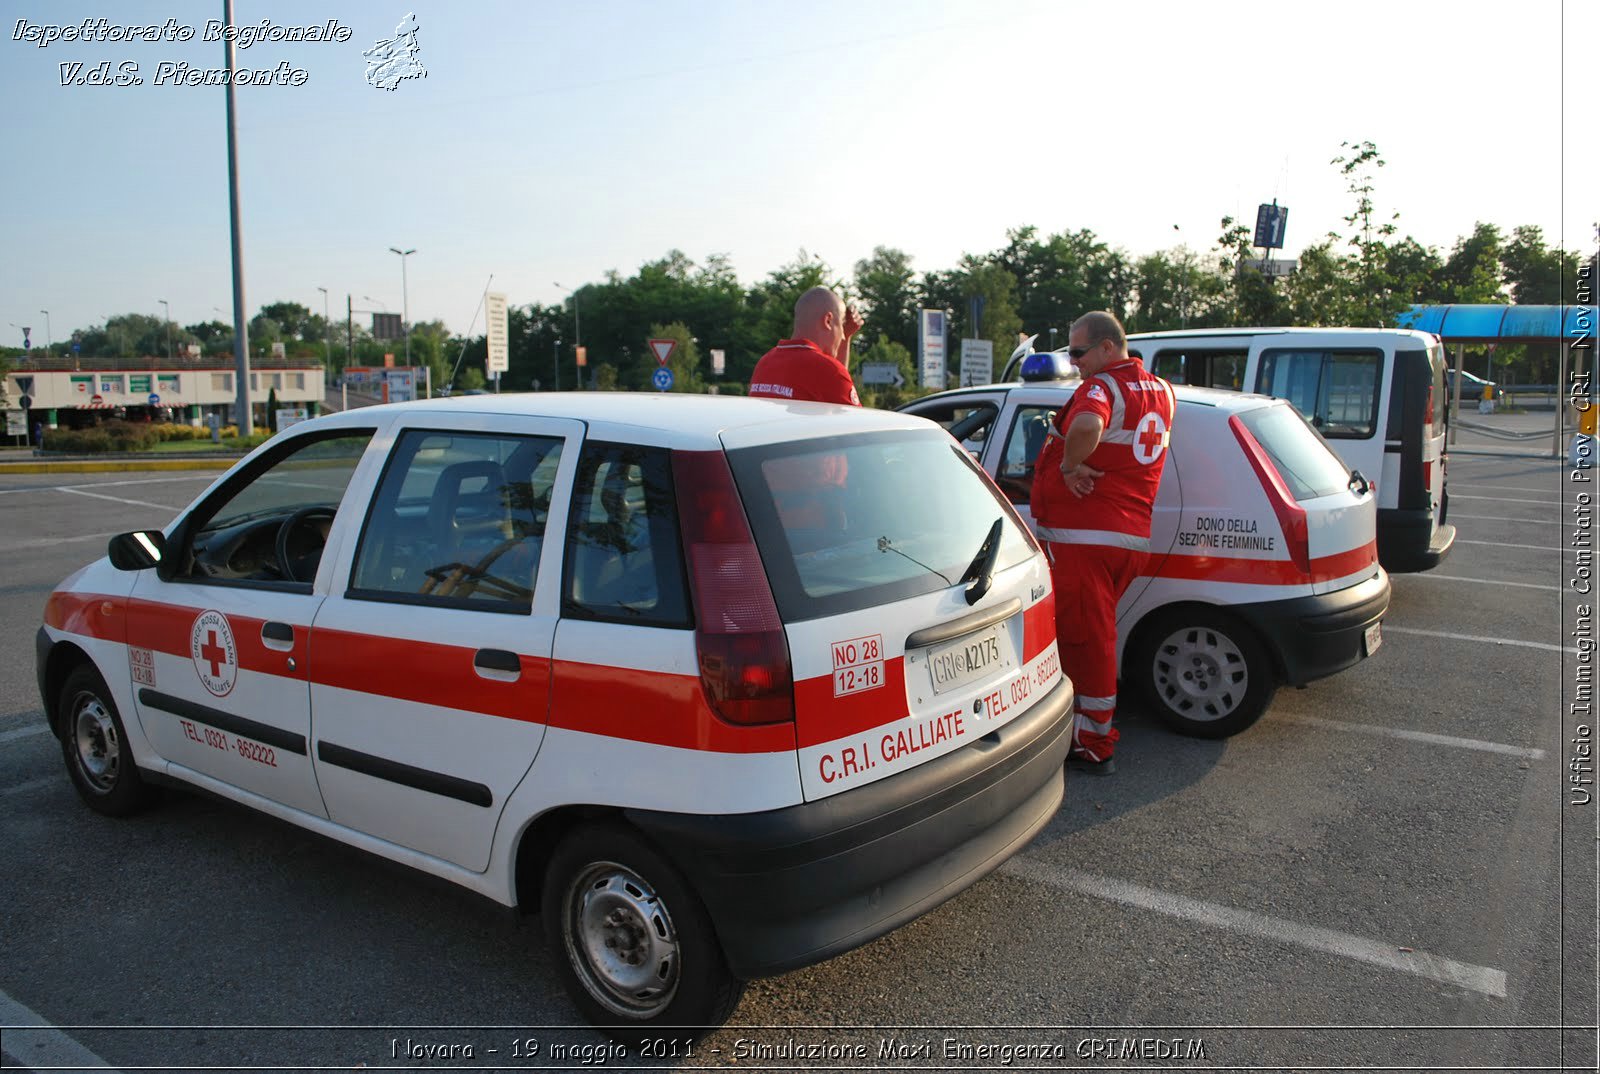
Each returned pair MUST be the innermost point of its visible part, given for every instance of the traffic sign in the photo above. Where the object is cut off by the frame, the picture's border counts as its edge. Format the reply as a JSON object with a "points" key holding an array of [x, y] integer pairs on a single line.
{"points": [[663, 379], [882, 373], [97, 399], [663, 349], [155, 400], [26, 402]]}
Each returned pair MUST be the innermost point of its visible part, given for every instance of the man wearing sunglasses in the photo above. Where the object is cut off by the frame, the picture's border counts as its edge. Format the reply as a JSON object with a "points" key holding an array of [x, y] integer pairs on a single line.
{"points": [[1094, 488]]}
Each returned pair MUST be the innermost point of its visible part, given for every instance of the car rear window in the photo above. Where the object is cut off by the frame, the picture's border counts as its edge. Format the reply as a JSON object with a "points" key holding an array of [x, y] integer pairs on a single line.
{"points": [[847, 523], [1337, 390], [1304, 460]]}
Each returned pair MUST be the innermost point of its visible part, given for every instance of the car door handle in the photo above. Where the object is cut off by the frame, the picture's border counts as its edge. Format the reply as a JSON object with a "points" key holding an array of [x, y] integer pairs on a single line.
{"points": [[1358, 483], [279, 636], [497, 664]]}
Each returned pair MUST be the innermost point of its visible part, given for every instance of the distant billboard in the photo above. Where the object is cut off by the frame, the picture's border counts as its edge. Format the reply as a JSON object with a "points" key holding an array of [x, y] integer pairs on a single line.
{"points": [[499, 359], [931, 347], [387, 326]]}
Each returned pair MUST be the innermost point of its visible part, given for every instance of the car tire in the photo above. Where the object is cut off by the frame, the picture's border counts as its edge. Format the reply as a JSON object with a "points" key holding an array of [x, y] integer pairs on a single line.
{"points": [[1203, 672], [633, 943], [95, 747]]}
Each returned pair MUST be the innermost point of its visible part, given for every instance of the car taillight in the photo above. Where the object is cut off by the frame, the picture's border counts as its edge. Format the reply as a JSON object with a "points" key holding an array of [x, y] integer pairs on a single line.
{"points": [[744, 656], [1291, 516]]}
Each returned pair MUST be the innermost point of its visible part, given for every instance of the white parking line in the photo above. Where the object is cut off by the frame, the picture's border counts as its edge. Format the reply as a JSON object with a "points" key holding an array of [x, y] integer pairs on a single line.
{"points": [[1504, 488], [1413, 736], [1504, 499], [1483, 581], [1502, 518], [109, 484], [45, 1047], [1387, 629], [23, 732], [1389, 956], [1532, 547], [118, 499], [41, 542]]}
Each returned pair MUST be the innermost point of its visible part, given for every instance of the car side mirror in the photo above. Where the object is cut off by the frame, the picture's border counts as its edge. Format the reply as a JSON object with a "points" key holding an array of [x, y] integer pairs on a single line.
{"points": [[137, 551]]}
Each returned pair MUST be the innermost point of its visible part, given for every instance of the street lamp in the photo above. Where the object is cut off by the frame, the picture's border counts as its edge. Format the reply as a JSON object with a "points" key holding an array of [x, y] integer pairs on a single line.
{"points": [[577, 326], [327, 338], [369, 298], [46, 330], [405, 302], [168, 318], [555, 357], [1052, 339]]}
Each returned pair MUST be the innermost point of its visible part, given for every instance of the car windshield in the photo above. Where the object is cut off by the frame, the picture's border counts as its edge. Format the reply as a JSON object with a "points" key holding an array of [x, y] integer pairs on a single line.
{"points": [[851, 522]]}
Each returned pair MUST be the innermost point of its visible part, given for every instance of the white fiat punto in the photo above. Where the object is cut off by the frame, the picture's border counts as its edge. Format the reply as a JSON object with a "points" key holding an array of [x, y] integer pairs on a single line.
{"points": [[1263, 548], [720, 687]]}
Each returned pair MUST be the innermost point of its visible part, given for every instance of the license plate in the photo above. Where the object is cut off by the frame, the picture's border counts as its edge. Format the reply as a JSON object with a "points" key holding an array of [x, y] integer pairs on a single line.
{"points": [[1372, 638], [964, 662]]}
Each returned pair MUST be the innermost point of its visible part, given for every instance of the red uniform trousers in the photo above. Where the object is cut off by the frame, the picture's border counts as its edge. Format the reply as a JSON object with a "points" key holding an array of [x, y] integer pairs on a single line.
{"points": [[1089, 580]]}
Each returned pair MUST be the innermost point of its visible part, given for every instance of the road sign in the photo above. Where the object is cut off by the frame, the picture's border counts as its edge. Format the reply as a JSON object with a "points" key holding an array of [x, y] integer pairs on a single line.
{"points": [[497, 335], [882, 373], [1271, 220], [977, 361], [663, 348], [26, 402], [155, 400], [96, 399], [719, 363], [24, 384], [663, 379]]}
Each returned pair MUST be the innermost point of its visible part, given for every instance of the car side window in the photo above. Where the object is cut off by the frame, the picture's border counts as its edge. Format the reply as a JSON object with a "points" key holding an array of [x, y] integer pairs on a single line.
{"points": [[1205, 368], [1030, 427], [267, 526], [1337, 391], [624, 560], [458, 521], [964, 417]]}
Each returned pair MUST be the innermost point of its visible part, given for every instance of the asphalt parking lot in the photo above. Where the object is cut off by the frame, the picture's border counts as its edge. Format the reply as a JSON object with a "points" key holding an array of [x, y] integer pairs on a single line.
{"points": [[1383, 873]]}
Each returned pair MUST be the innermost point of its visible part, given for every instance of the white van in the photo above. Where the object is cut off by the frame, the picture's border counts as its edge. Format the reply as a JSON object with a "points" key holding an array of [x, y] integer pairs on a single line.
{"points": [[1376, 395]]}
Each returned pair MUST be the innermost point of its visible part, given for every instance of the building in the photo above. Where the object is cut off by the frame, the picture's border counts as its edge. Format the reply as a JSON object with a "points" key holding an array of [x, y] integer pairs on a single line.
{"points": [[73, 393]]}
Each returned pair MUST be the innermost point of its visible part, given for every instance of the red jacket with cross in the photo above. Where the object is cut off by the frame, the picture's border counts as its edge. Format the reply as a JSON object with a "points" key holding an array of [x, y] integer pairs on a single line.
{"points": [[1137, 408]]}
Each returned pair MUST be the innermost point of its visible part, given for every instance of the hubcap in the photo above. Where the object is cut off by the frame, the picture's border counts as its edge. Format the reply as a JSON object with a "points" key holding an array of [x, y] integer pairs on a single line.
{"points": [[620, 938], [95, 735], [1200, 673]]}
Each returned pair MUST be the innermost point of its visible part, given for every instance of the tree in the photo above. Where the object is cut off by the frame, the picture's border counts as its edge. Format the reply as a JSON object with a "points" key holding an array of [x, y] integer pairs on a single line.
{"points": [[1537, 274], [1063, 276], [1472, 272], [993, 283], [1254, 298], [886, 286]]}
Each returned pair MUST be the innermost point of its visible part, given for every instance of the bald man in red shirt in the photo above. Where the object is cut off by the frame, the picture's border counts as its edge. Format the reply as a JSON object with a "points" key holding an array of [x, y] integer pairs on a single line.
{"points": [[814, 366]]}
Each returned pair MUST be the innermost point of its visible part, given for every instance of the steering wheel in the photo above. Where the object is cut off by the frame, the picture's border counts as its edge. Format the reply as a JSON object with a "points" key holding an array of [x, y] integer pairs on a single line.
{"points": [[286, 563]]}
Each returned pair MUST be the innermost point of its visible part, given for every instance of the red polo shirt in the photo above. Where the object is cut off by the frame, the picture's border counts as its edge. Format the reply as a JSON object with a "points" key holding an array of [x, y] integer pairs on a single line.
{"points": [[799, 370]]}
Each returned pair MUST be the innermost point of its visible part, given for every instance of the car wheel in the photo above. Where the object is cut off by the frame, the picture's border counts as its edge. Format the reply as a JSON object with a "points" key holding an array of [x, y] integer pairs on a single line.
{"points": [[95, 747], [1203, 672], [633, 943]]}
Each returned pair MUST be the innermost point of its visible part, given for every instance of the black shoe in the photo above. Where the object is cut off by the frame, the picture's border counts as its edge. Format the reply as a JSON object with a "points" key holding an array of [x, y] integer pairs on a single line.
{"points": [[1081, 762]]}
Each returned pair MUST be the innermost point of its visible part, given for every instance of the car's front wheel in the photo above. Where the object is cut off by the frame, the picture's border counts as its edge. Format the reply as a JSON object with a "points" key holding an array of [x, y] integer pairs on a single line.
{"points": [[1202, 672], [634, 945], [95, 747]]}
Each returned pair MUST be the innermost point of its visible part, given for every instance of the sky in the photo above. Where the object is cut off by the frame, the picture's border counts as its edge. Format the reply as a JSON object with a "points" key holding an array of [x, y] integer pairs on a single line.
{"points": [[550, 143]]}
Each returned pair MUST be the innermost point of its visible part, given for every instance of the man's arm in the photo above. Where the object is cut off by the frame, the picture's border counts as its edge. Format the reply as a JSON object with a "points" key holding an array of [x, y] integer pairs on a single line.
{"points": [[1083, 436], [852, 324]]}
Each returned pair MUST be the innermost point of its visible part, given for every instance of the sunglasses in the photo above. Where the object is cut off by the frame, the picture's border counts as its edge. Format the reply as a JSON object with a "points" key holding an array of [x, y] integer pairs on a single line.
{"points": [[1078, 352]]}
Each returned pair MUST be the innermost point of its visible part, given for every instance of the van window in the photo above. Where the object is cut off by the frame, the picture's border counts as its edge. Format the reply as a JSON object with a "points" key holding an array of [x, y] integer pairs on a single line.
{"points": [[1204, 368], [854, 522], [1336, 390], [1303, 459]]}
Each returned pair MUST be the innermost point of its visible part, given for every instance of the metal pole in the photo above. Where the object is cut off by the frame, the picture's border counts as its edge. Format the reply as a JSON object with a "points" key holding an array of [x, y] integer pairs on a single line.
{"points": [[405, 300], [1454, 402], [46, 330], [556, 360], [349, 332], [327, 340], [241, 332]]}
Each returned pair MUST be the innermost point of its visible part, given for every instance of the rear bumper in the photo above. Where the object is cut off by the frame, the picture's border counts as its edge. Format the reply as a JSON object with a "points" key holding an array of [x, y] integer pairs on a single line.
{"points": [[795, 886], [1318, 636], [1408, 541]]}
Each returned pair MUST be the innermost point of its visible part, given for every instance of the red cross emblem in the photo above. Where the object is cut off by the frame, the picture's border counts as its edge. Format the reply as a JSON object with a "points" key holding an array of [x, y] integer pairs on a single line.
{"points": [[216, 657], [1149, 438]]}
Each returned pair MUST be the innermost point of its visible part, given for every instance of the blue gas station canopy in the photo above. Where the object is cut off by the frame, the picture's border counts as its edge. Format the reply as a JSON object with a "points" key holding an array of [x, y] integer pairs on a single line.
{"points": [[1500, 324]]}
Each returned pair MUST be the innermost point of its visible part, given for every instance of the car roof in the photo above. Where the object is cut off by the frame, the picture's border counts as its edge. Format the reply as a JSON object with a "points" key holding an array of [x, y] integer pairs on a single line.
{"points": [[1219, 398], [677, 420], [1213, 333]]}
